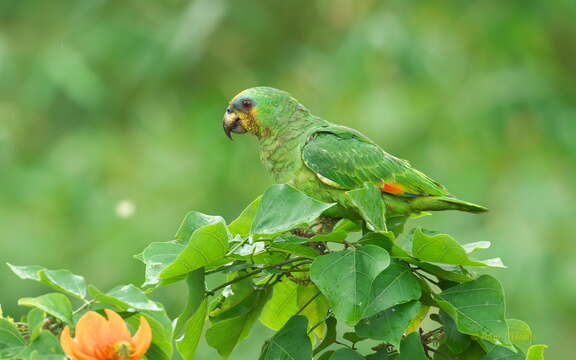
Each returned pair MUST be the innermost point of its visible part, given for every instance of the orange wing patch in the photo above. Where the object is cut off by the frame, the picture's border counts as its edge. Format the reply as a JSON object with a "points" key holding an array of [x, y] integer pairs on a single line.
{"points": [[393, 189]]}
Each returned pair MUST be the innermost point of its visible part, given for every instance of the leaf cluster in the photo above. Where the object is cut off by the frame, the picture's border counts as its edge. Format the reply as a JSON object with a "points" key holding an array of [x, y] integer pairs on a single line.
{"points": [[330, 288]]}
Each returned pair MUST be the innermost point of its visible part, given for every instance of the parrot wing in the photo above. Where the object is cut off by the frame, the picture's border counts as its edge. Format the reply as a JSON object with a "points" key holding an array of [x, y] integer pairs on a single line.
{"points": [[346, 160]]}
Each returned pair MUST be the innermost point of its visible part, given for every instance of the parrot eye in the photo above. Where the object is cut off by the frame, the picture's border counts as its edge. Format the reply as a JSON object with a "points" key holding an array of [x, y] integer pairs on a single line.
{"points": [[247, 104]]}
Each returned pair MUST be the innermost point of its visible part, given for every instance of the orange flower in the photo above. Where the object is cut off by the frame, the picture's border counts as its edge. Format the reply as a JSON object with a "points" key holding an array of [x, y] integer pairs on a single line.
{"points": [[99, 339]]}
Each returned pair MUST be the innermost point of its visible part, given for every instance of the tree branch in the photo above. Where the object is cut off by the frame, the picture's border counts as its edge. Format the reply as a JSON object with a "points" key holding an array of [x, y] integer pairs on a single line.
{"points": [[441, 353], [255, 272]]}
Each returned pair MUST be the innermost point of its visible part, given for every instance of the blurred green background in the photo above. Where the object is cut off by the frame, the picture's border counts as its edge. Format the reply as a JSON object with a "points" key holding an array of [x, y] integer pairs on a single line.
{"points": [[110, 126]]}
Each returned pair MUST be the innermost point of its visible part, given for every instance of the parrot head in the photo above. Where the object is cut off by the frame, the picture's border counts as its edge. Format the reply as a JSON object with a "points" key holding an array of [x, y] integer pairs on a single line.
{"points": [[258, 111]]}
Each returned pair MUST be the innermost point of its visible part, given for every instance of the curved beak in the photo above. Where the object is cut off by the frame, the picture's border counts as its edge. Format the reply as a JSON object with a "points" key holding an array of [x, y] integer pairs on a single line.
{"points": [[232, 123]]}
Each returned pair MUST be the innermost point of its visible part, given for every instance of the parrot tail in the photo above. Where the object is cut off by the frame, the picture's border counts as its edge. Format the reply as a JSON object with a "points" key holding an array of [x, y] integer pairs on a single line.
{"points": [[436, 203]]}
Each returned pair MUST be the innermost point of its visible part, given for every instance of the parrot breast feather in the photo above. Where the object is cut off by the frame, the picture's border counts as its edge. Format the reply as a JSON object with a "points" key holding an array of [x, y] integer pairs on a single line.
{"points": [[347, 161]]}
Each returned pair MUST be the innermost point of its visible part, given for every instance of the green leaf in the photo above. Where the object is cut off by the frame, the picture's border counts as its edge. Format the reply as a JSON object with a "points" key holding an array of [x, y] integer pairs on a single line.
{"points": [[443, 249], [11, 353], [192, 328], [35, 320], [44, 347], [454, 340], [473, 352], [368, 200], [243, 223], [246, 251], [334, 236], [290, 343], [61, 280], [478, 308], [46, 344], [339, 233], [296, 249], [26, 272], [386, 241], [316, 310], [288, 297], [196, 294], [536, 352], [192, 222], [125, 297], [35, 356], [133, 297], [411, 348], [475, 246], [330, 337], [347, 226], [326, 355], [282, 305], [396, 224], [353, 337], [65, 281], [226, 334], [346, 354], [457, 274], [55, 304], [9, 334], [290, 239], [381, 354], [395, 285], [268, 258], [346, 278], [162, 336], [234, 267], [206, 245], [520, 334], [157, 256], [501, 353], [389, 325], [418, 319], [284, 208], [236, 299]]}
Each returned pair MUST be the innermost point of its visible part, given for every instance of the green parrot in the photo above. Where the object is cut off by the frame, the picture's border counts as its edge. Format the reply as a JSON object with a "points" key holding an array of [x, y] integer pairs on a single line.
{"points": [[325, 160]]}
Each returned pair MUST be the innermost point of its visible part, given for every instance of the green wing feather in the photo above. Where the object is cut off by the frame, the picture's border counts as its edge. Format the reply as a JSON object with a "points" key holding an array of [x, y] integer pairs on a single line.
{"points": [[345, 159]]}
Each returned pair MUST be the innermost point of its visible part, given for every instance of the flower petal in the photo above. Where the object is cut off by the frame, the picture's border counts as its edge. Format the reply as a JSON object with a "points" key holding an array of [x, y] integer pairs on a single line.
{"points": [[67, 342], [92, 333], [80, 356], [116, 327], [71, 346], [142, 339]]}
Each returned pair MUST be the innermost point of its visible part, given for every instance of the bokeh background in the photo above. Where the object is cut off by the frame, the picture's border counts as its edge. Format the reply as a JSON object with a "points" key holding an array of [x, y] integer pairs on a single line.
{"points": [[110, 126]]}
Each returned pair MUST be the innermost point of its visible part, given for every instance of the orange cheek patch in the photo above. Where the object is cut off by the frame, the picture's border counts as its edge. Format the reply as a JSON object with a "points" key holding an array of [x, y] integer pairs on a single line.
{"points": [[393, 189]]}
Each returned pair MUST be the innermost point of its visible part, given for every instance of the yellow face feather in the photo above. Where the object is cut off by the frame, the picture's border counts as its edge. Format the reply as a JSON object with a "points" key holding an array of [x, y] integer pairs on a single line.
{"points": [[248, 121]]}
